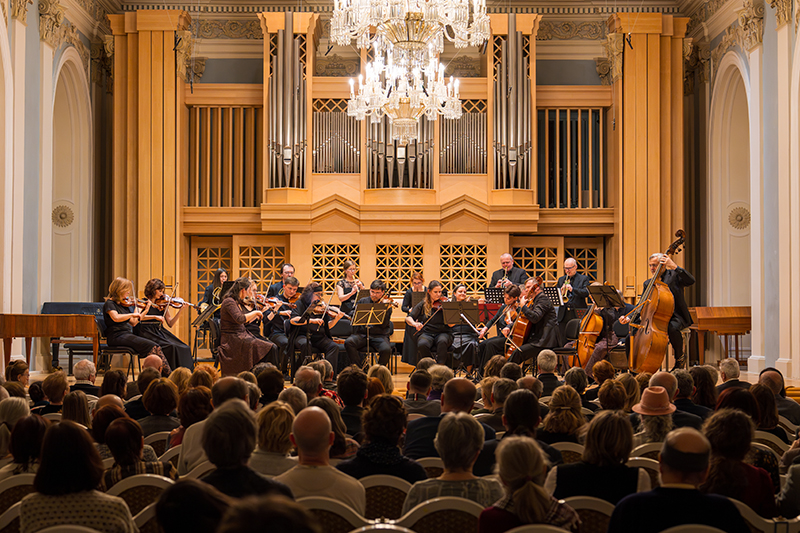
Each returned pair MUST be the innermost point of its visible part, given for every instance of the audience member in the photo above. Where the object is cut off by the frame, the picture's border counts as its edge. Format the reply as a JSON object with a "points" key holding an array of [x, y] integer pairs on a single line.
{"points": [[535, 386], [66, 485], [511, 371], [683, 397], [313, 476], [493, 366], [521, 418], [602, 371], [343, 447], [309, 381], [643, 379], [486, 385], [612, 395], [729, 373], [425, 363], [253, 396], [705, 391], [655, 412], [788, 501], [160, 399], [229, 438], [15, 389], [272, 457], [374, 388], [565, 420], [25, 446], [135, 406], [282, 515], [632, 394], [76, 408], [352, 389], [458, 442], [547, 362], [500, 390], [419, 386], [713, 373], [55, 387], [191, 505], [576, 378], [194, 405], [440, 375], [383, 374], [132, 388], [670, 384], [17, 370], [383, 426], [684, 466], [270, 381], [125, 440], [768, 413], [113, 383], [180, 377], [201, 378], [85, 374], [36, 394], [602, 472], [325, 369], [11, 410], [294, 397], [787, 407], [103, 418], [247, 376], [521, 467]]}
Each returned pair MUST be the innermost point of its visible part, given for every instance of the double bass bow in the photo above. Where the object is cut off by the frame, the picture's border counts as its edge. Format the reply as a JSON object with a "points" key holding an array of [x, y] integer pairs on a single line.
{"points": [[649, 345]]}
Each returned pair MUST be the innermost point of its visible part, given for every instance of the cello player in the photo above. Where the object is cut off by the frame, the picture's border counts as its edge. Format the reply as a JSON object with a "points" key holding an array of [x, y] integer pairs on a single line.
{"points": [[676, 279], [537, 308], [606, 338]]}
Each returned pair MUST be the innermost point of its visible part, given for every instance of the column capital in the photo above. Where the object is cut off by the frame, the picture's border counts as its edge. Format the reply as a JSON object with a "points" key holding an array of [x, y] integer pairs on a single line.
{"points": [[51, 15], [783, 11], [751, 20], [613, 47], [19, 10]]}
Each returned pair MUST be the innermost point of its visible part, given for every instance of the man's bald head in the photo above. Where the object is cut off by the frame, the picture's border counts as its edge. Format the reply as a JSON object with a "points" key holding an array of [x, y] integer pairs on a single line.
{"points": [[666, 380], [227, 389], [311, 432], [532, 384], [458, 395], [152, 361], [109, 399], [570, 263], [772, 380], [684, 457]]}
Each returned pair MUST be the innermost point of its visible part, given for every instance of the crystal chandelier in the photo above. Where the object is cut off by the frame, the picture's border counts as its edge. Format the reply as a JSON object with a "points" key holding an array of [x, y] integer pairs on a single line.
{"points": [[404, 95]]}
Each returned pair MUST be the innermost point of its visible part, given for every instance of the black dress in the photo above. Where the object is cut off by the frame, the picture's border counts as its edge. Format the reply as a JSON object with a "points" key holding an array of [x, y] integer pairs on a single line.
{"points": [[121, 333], [176, 351], [435, 334], [348, 305], [409, 339], [239, 350]]}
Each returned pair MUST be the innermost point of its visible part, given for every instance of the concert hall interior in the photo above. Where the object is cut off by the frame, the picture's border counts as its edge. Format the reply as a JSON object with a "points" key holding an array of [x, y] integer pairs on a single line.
{"points": [[159, 139]]}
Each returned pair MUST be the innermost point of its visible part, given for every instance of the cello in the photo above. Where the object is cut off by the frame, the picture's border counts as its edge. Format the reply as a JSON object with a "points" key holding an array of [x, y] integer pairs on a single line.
{"points": [[649, 345], [522, 326], [591, 327]]}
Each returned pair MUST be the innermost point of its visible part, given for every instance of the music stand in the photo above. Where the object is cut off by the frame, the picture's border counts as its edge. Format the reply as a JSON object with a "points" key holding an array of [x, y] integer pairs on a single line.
{"points": [[368, 315], [461, 312], [554, 294], [417, 297], [363, 293], [493, 295], [605, 296]]}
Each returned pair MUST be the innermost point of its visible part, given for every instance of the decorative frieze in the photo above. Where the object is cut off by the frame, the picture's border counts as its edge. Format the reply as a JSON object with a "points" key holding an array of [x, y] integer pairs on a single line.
{"points": [[751, 20], [337, 66], [227, 29], [593, 30]]}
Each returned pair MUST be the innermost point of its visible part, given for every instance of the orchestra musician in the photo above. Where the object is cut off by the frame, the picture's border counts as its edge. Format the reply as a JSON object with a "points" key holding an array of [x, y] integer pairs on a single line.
{"points": [[427, 318], [465, 339], [378, 334], [573, 286], [606, 338], [212, 291], [347, 288], [538, 309], [312, 331], [504, 319], [409, 337], [276, 289], [121, 313], [277, 332], [239, 350], [152, 327], [508, 273], [676, 279]]}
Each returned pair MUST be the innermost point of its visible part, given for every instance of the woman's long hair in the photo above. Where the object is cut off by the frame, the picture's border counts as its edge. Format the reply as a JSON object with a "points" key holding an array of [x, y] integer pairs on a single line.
{"points": [[217, 274], [237, 287], [522, 467], [339, 446], [730, 432], [428, 307], [565, 414]]}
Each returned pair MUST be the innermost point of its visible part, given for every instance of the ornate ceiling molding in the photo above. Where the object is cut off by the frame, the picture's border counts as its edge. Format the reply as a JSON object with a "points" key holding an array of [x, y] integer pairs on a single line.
{"points": [[565, 29], [51, 15]]}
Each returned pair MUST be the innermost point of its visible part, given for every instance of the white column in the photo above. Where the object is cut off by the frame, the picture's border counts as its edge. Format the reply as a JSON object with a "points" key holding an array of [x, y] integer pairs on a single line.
{"points": [[794, 200], [46, 97]]}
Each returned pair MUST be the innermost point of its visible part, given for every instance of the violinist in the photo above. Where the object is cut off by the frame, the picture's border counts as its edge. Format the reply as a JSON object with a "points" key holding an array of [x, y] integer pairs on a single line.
{"points": [[676, 279], [121, 313], [152, 325], [504, 319], [409, 337], [239, 350], [378, 335], [465, 339], [541, 314], [313, 323], [212, 294], [347, 288], [428, 319], [276, 289], [277, 330], [573, 286]]}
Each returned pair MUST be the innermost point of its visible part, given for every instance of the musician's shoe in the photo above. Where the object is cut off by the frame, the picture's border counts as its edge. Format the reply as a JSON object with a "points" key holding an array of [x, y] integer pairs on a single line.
{"points": [[57, 368], [680, 363]]}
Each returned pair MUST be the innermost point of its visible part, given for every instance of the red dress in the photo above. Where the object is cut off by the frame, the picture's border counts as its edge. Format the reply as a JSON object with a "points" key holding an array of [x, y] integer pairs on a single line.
{"points": [[239, 350]]}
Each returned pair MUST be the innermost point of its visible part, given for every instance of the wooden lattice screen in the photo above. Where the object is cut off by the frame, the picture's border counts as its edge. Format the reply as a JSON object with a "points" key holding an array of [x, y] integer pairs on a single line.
{"points": [[262, 264], [396, 263], [208, 261], [326, 263], [587, 259], [463, 263], [538, 261]]}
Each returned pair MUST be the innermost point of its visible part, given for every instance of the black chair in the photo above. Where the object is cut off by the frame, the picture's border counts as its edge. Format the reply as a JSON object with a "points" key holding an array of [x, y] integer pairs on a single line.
{"points": [[203, 335], [572, 331], [618, 355], [107, 352]]}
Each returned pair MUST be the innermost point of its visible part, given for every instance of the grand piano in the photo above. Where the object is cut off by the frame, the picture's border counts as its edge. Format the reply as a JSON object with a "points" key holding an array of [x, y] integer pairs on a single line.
{"points": [[726, 322]]}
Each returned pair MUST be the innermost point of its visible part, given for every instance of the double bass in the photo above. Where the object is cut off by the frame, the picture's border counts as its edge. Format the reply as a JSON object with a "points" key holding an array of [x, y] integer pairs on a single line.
{"points": [[649, 345], [521, 328]]}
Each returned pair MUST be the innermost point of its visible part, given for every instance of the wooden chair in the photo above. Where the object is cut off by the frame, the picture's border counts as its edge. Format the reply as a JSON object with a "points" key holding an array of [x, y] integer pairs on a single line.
{"points": [[385, 496], [651, 467], [380, 526], [108, 463], [756, 523], [13, 489], [595, 513], [200, 470], [66, 528], [140, 490], [545, 400], [536, 528], [158, 441], [692, 528], [786, 424], [9, 520], [414, 416], [768, 439], [443, 515], [333, 515], [146, 520], [172, 455], [651, 450], [53, 417], [434, 466], [570, 452]]}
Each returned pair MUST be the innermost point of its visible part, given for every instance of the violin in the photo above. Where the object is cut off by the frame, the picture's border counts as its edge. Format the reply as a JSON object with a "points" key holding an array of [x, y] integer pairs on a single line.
{"points": [[129, 301], [390, 302], [275, 303], [172, 301], [522, 326], [322, 308]]}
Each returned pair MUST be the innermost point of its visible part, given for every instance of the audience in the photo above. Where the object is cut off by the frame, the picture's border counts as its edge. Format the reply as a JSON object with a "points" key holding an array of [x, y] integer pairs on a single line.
{"points": [[535, 386], [103, 418], [788, 501], [683, 396], [76, 408], [17, 371], [313, 476], [25, 446], [374, 388], [325, 369], [66, 485], [521, 467], [180, 377], [643, 379], [547, 362], [270, 381], [201, 378], [602, 472], [729, 373], [768, 413], [36, 394], [253, 396], [655, 412], [295, 397], [383, 374], [160, 399], [383, 426], [114, 383], [272, 457], [55, 387], [135, 406], [343, 447], [247, 376], [11, 411], [493, 366], [511, 371], [670, 384], [425, 363], [577, 379], [521, 418], [229, 437], [500, 390], [705, 391], [191, 505], [194, 405], [125, 440], [773, 380], [352, 388], [632, 394], [282, 515], [565, 420], [15, 389], [419, 386], [85, 374], [602, 371], [309, 381], [458, 442], [486, 385], [440, 375], [684, 466], [612, 395]]}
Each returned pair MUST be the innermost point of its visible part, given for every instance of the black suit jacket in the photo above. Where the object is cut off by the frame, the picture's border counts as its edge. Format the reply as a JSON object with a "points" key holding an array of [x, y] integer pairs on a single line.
{"points": [[688, 406], [550, 382], [275, 289], [676, 280], [577, 298], [542, 314], [680, 419], [87, 388], [732, 383], [420, 434], [516, 275]]}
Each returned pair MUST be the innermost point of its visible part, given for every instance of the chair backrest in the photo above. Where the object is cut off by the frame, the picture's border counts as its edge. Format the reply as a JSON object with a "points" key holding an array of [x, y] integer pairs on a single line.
{"points": [[620, 330], [480, 416], [100, 321], [755, 522], [108, 463], [764, 447], [595, 513], [650, 466], [572, 329], [649, 450], [343, 328], [201, 470], [586, 412], [787, 425], [146, 520], [140, 490], [443, 515], [385, 496], [215, 334], [693, 528], [13, 489], [333, 515], [570, 451], [172, 455], [414, 416], [434, 466], [545, 400], [65, 528], [536, 528], [158, 441], [54, 417], [768, 439], [382, 526], [9, 520]]}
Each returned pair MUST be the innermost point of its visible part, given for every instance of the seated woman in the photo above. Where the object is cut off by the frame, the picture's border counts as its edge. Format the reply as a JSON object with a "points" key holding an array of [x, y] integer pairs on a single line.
{"points": [[102, 419], [160, 399], [17, 370], [705, 387], [576, 378], [343, 446], [428, 320], [66, 487], [465, 339], [272, 457], [384, 424], [154, 323], [121, 314], [194, 405], [458, 441], [114, 382], [730, 433], [383, 374], [311, 331], [768, 413], [521, 466], [602, 472], [180, 377], [11, 411], [238, 349], [602, 371], [632, 391], [125, 441], [440, 375], [76, 408], [564, 421], [25, 446], [655, 411]]}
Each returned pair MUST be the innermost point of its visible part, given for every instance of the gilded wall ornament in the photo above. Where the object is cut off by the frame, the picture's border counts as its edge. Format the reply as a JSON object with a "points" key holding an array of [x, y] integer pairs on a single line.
{"points": [[19, 10], [227, 29], [62, 216], [613, 47], [783, 10], [739, 218], [751, 20], [548, 30], [51, 15], [732, 37]]}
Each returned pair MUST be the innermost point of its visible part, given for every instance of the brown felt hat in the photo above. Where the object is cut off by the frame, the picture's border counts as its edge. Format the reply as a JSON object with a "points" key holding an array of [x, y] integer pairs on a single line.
{"points": [[655, 402]]}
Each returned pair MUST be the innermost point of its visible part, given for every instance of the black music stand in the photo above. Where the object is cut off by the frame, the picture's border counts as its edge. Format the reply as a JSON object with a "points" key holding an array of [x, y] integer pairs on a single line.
{"points": [[368, 315], [417, 297], [493, 295], [199, 323], [461, 312], [605, 296], [363, 293], [555, 296]]}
